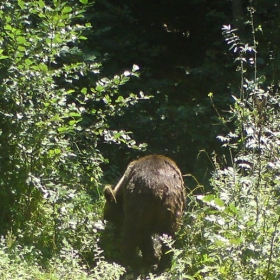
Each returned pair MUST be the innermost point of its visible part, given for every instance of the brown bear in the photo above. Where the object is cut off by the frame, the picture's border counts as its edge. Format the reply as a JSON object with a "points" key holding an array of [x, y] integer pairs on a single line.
{"points": [[149, 199]]}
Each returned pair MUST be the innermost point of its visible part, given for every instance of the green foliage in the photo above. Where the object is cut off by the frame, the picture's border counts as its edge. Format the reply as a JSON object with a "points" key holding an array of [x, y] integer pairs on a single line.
{"points": [[17, 262], [34, 131], [66, 93], [246, 220], [51, 125], [233, 232]]}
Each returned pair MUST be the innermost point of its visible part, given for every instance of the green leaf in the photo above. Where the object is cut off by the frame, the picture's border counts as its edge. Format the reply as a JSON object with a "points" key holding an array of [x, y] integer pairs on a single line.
{"points": [[70, 91], [99, 88], [21, 4], [235, 241], [232, 208], [219, 202], [84, 90], [208, 198], [57, 151], [66, 10], [84, 1], [63, 129], [73, 122], [120, 99], [82, 38], [21, 48], [57, 38], [43, 67], [74, 114], [41, 4], [28, 62], [8, 27], [21, 40]]}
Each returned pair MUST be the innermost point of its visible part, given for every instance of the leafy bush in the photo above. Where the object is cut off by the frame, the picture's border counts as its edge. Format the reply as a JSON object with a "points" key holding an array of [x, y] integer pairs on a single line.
{"points": [[51, 124], [245, 220], [18, 262]]}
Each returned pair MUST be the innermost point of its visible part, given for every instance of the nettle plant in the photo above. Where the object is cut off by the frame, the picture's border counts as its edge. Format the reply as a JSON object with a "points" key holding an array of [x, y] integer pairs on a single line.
{"points": [[243, 223]]}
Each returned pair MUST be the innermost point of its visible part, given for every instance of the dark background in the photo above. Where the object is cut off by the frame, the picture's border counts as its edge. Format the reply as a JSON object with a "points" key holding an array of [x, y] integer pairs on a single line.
{"points": [[182, 56]]}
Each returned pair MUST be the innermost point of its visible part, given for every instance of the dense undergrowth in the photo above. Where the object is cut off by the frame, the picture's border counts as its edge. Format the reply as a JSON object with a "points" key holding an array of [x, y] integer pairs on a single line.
{"points": [[51, 125]]}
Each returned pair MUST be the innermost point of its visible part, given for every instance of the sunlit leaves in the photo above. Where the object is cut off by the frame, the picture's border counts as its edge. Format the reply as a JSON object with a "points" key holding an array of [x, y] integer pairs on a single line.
{"points": [[66, 10], [52, 122], [40, 127], [2, 56]]}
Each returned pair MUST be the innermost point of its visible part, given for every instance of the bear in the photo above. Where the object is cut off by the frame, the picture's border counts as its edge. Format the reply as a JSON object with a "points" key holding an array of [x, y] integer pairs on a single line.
{"points": [[149, 199]]}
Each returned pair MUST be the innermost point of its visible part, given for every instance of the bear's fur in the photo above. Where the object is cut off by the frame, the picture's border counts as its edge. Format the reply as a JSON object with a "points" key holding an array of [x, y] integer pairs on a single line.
{"points": [[149, 199]]}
